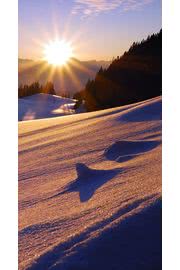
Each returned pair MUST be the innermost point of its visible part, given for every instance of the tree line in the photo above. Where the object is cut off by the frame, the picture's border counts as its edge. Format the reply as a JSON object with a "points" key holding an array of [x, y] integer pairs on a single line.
{"points": [[35, 88], [133, 77]]}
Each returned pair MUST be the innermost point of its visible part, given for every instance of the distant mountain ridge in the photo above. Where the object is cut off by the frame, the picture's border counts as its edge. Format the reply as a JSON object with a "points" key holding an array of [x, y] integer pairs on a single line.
{"points": [[69, 80]]}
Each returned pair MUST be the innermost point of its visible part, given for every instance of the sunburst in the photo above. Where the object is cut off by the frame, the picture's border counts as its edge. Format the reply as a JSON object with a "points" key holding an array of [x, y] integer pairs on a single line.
{"points": [[58, 52]]}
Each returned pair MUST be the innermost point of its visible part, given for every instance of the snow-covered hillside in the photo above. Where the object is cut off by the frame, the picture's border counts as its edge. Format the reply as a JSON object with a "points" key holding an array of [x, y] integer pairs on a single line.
{"points": [[90, 190], [44, 106]]}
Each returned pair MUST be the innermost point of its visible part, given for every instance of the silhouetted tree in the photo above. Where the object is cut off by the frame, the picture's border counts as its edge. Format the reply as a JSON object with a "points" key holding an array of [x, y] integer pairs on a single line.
{"points": [[135, 76], [49, 88], [35, 88]]}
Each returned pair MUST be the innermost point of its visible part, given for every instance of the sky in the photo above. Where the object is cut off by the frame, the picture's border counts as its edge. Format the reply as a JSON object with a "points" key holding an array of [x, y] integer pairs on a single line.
{"points": [[96, 29]]}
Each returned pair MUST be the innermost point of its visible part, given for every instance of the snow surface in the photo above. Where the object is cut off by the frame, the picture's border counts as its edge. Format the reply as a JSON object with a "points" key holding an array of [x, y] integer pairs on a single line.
{"points": [[44, 106], [90, 190]]}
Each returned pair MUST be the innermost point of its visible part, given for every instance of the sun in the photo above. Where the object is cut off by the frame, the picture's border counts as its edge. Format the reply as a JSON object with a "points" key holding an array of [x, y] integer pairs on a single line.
{"points": [[58, 52]]}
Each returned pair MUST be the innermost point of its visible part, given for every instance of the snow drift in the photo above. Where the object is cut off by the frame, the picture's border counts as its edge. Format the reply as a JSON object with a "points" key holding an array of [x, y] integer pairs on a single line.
{"points": [[90, 190]]}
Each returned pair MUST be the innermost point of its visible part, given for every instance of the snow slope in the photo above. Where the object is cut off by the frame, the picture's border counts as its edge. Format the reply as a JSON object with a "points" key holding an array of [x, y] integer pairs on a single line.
{"points": [[90, 190], [44, 106]]}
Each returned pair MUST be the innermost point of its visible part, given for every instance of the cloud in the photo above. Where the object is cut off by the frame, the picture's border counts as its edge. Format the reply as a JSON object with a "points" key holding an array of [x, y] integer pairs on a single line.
{"points": [[95, 7]]}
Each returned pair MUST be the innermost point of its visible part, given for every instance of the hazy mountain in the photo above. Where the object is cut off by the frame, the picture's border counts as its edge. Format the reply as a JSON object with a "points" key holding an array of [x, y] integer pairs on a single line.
{"points": [[69, 79]]}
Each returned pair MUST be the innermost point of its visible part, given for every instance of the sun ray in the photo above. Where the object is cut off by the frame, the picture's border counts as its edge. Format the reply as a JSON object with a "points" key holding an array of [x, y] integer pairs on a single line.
{"points": [[43, 67], [51, 73], [82, 68], [76, 82]]}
